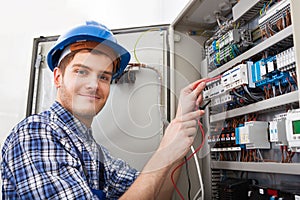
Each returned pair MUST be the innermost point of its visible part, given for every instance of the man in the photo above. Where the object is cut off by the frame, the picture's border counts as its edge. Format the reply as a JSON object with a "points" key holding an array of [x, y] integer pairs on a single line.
{"points": [[52, 155]]}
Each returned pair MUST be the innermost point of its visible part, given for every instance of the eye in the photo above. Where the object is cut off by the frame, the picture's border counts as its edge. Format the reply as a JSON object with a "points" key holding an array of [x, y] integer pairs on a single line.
{"points": [[81, 72], [104, 77]]}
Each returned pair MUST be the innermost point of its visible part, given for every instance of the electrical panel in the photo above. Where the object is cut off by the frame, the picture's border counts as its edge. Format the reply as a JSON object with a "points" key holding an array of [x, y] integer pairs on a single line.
{"points": [[253, 124]]}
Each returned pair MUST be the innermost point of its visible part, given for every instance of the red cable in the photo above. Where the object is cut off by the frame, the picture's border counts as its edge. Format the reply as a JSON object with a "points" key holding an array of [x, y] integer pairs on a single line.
{"points": [[188, 158], [207, 81]]}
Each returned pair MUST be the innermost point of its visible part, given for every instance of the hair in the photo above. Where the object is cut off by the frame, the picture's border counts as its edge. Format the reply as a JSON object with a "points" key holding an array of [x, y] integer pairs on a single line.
{"points": [[68, 58]]}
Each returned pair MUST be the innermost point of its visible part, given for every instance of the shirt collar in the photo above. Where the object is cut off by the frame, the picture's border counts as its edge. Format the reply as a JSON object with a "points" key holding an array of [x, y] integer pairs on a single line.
{"points": [[70, 120]]}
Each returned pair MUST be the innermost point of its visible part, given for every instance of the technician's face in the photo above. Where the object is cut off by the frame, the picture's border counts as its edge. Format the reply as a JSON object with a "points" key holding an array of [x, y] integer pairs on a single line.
{"points": [[85, 85]]}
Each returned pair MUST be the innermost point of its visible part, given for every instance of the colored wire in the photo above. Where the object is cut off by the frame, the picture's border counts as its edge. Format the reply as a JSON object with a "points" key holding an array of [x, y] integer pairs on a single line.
{"points": [[188, 177], [256, 98], [209, 80], [262, 10], [290, 84], [240, 96], [138, 40], [279, 86], [293, 75], [199, 176], [282, 155], [188, 158]]}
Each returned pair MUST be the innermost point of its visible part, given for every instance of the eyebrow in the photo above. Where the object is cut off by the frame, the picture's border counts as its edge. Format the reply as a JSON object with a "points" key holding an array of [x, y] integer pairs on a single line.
{"points": [[87, 67]]}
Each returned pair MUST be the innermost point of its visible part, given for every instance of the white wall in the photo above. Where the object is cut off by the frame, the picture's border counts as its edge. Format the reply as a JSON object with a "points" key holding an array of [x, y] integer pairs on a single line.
{"points": [[21, 21]]}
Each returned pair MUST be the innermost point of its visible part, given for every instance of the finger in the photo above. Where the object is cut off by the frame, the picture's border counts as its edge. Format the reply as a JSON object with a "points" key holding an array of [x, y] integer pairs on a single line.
{"points": [[192, 115], [199, 100], [189, 124], [197, 91], [195, 84]]}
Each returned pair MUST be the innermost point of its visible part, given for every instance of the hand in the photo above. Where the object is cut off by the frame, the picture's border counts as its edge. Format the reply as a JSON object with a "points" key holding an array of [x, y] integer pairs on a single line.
{"points": [[190, 97], [179, 136], [180, 133]]}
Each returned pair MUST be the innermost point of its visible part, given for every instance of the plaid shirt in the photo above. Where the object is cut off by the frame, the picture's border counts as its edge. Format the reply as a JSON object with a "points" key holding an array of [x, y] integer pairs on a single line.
{"points": [[41, 161]]}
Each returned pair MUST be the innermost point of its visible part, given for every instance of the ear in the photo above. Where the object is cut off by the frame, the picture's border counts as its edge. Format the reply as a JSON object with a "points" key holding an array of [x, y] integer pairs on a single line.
{"points": [[57, 77]]}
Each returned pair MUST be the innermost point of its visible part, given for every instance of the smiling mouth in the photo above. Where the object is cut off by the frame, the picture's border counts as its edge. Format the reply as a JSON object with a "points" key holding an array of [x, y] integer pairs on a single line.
{"points": [[91, 96]]}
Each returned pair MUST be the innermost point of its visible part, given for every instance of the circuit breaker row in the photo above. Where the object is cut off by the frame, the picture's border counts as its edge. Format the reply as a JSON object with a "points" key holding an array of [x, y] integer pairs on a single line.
{"points": [[283, 130], [254, 79], [251, 82]]}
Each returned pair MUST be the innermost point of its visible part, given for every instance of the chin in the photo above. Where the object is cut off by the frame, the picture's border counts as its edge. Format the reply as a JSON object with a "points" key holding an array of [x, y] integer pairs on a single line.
{"points": [[88, 112], [87, 108]]}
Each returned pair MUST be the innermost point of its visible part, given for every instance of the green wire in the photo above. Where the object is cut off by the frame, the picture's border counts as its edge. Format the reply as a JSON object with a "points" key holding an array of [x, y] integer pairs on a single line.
{"points": [[139, 38]]}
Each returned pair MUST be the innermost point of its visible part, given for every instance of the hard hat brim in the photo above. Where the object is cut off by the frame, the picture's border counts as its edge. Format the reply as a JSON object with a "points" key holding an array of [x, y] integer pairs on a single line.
{"points": [[55, 52]]}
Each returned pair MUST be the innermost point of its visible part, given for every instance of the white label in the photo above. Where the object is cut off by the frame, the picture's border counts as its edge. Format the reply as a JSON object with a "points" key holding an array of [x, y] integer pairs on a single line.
{"points": [[261, 191], [263, 70], [270, 66], [249, 193]]}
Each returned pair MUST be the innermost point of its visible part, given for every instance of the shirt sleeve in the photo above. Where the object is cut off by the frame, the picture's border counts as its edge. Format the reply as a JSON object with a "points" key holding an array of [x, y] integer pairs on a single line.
{"points": [[35, 165], [119, 176]]}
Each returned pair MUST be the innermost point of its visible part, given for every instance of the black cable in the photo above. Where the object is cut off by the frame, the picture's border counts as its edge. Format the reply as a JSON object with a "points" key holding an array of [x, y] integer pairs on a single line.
{"points": [[188, 177], [204, 106]]}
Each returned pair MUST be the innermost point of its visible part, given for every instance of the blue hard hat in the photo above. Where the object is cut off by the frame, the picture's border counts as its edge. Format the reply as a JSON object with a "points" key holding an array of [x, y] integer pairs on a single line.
{"points": [[92, 31]]}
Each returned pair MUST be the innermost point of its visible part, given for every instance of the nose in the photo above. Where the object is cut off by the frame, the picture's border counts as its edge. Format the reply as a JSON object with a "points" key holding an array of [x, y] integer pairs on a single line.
{"points": [[92, 83]]}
